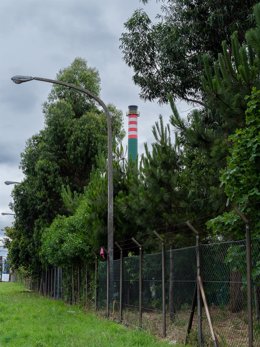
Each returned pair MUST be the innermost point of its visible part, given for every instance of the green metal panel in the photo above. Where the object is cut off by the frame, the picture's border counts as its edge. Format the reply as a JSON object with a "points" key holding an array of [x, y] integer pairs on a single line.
{"points": [[132, 149]]}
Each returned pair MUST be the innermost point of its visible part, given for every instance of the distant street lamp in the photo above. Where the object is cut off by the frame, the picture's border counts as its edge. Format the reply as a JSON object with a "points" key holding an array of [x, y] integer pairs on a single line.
{"points": [[11, 182], [7, 214], [110, 215]]}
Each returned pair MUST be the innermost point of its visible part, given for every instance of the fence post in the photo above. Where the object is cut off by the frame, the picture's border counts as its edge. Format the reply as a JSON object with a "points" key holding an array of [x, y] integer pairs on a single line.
{"points": [[121, 283], [78, 283], [86, 291], [163, 285], [108, 283], [57, 283], [51, 275], [39, 280], [45, 283], [198, 291], [61, 282], [51, 282], [171, 304], [96, 283], [140, 281], [72, 286], [54, 282], [1, 268], [41, 283], [248, 277], [199, 307], [257, 304], [48, 281]]}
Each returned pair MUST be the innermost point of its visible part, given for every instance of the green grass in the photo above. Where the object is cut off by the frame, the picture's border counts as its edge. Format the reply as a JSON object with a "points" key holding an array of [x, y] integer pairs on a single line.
{"points": [[29, 320]]}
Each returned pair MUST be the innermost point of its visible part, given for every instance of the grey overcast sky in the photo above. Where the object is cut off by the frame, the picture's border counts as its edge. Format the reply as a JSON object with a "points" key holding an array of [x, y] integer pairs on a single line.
{"points": [[41, 37]]}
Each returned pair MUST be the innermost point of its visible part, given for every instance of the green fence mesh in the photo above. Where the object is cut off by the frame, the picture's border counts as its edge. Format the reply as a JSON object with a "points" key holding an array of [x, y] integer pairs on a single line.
{"points": [[223, 270]]}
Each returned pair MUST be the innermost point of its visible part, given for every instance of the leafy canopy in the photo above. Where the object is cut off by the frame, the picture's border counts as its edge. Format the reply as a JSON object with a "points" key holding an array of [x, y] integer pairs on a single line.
{"points": [[166, 55]]}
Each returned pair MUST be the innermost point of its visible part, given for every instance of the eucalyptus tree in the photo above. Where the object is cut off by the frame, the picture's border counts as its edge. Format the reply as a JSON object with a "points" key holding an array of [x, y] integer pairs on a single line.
{"points": [[166, 54]]}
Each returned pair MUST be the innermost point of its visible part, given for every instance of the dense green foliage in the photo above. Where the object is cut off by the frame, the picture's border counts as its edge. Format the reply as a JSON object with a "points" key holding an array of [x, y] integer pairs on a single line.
{"points": [[241, 177], [73, 239], [167, 55]]}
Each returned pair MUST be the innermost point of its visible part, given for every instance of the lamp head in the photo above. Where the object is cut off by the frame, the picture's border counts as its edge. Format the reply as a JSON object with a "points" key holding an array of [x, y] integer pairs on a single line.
{"points": [[18, 79], [11, 182]]}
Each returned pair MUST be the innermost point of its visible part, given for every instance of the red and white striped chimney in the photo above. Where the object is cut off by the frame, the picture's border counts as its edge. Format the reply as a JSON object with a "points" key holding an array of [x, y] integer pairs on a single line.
{"points": [[132, 132]]}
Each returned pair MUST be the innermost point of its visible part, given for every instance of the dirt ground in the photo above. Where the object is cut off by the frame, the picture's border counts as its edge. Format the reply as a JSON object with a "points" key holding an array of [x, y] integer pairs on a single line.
{"points": [[230, 328]]}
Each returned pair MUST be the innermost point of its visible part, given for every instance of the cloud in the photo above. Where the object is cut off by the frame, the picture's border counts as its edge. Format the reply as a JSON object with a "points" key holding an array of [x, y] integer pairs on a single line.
{"points": [[16, 99], [9, 153]]}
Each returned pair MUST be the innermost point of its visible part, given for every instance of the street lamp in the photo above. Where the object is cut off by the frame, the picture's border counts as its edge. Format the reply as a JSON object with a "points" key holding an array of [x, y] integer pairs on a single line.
{"points": [[7, 214], [11, 182], [110, 214]]}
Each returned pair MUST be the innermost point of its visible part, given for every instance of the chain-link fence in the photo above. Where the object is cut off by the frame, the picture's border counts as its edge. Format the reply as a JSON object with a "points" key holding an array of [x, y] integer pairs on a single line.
{"points": [[158, 292], [223, 269], [72, 284]]}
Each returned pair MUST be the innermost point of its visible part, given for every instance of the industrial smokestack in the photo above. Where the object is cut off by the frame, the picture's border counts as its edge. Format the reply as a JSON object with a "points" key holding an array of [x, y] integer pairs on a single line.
{"points": [[132, 132]]}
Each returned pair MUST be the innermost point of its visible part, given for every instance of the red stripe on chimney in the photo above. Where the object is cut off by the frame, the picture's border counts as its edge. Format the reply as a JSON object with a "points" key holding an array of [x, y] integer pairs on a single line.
{"points": [[132, 129]]}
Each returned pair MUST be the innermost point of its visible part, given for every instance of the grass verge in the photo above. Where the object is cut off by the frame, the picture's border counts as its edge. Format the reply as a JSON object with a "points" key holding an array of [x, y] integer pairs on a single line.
{"points": [[29, 320]]}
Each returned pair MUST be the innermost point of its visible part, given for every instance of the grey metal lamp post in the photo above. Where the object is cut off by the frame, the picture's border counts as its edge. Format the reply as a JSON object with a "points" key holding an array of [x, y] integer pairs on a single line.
{"points": [[110, 214], [7, 214]]}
